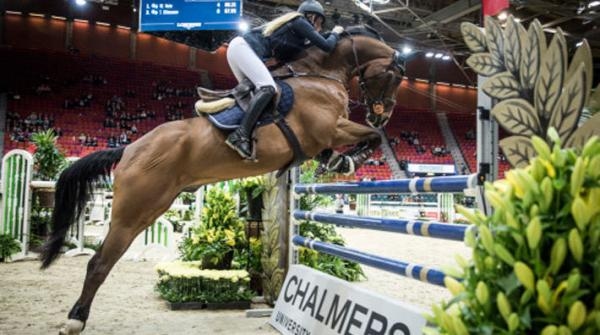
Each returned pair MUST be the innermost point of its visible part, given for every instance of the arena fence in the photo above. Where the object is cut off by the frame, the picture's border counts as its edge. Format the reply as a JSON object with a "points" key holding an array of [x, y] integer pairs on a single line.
{"points": [[414, 227]]}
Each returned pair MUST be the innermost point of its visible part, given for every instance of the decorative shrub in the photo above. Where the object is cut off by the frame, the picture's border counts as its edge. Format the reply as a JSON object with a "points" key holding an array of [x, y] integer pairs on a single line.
{"points": [[178, 219], [49, 160], [186, 282], [188, 198], [250, 191], [335, 266], [220, 234], [8, 246], [39, 222], [249, 258], [536, 261]]}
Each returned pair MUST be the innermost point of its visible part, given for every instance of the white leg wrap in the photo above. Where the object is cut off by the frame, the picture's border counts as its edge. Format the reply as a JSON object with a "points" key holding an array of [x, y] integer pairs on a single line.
{"points": [[351, 167], [333, 163], [71, 327]]}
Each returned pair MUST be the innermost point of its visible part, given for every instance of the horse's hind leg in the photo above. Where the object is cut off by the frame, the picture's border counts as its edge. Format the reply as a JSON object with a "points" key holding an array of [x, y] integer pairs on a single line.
{"points": [[115, 244], [130, 216]]}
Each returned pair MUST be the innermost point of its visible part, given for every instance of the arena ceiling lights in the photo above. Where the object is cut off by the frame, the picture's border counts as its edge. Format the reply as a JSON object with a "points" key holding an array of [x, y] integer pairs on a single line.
{"points": [[367, 5]]}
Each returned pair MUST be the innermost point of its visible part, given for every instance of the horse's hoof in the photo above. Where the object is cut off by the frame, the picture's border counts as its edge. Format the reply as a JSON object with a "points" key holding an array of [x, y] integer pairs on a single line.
{"points": [[321, 170], [72, 327]]}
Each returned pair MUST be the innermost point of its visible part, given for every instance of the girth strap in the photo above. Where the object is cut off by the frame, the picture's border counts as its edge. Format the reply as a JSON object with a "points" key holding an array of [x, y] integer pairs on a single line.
{"points": [[299, 155]]}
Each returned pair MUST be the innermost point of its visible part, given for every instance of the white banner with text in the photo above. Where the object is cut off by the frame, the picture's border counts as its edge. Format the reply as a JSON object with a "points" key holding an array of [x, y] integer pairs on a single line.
{"points": [[314, 303]]}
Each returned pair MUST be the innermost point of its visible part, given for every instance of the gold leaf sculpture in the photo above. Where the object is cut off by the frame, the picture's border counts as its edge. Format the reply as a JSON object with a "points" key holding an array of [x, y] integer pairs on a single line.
{"points": [[517, 115], [518, 148], [502, 86], [551, 77], [483, 64], [570, 104], [512, 46], [534, 85], [474, 37], [579, 58], [584, 132], [273, 273], [532, 51], [594, 101], [495, 41]]}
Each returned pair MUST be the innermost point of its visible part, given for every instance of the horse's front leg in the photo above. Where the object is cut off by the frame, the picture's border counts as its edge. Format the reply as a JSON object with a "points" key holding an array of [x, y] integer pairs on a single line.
{"points": [[365, 140]]}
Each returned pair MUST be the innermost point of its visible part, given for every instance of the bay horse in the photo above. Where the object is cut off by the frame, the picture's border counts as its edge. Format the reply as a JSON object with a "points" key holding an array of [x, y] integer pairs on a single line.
{"points": [[150, 172]]}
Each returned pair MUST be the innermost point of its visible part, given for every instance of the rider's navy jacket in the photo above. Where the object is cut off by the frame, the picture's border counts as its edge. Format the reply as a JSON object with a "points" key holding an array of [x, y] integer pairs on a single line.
{"points": [[289, 40]]}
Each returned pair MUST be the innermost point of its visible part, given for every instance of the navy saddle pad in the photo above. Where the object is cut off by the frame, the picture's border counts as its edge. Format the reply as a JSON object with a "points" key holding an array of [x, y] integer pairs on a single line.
{"points": [[230, 119]]}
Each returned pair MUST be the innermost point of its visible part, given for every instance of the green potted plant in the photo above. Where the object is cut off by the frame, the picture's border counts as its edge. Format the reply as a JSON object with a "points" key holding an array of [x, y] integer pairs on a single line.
{"points": [[220, 234], [251, 190], [8, 247], [352, 202], [250, 260], [39, 224], [187, 198], [49, 161], [332, 265]]}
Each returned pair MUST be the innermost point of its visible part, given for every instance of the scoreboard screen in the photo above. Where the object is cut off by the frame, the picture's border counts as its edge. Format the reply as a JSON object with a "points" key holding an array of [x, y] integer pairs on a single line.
{"points": [[189, 14]]}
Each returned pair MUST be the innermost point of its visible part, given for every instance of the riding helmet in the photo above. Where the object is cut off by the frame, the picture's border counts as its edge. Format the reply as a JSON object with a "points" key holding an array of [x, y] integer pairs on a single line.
{"points": [[312, 6]]}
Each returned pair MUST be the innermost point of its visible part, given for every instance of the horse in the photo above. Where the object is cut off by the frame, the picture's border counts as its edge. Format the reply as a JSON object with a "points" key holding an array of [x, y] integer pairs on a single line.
{"points": [[149, 173]]}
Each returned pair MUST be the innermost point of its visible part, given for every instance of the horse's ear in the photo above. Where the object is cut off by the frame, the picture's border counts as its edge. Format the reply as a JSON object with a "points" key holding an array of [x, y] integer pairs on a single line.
{"points": [[399, 61]]}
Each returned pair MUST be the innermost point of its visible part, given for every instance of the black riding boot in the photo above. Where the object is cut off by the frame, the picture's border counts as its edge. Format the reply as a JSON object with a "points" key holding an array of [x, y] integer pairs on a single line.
{"points": [[240, 140]]}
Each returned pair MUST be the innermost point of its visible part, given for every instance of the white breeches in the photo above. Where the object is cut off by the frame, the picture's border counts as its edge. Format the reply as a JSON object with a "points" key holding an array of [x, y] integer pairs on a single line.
{"points": [[244, 63]]}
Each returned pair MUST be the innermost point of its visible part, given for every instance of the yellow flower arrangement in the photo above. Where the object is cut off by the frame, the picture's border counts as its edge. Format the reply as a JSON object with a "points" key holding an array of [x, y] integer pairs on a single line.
{"points": [[181, 269], [181, 281]]}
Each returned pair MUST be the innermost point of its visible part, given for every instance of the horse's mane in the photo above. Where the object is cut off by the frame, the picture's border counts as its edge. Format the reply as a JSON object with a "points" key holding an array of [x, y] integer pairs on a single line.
{"points": [[363, 30]]}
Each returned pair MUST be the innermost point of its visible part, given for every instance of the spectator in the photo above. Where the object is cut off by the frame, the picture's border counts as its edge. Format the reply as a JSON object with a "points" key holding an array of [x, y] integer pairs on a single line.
{"points": [[123, 139], [339, 204], [43, 89]]}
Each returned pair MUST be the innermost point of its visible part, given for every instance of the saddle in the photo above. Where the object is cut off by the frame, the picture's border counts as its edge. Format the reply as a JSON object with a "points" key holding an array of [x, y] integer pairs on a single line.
{"points": [[225, 110], [240, 95]]}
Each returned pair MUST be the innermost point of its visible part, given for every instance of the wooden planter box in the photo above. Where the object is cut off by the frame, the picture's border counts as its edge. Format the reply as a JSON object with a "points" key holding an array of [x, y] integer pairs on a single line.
{"points": [[177, 306], [45, 197]]}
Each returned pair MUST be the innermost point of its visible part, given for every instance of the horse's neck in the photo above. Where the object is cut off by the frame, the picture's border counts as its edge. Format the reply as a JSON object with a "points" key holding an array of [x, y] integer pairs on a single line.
{"points": [[343, 62], [359, 50], [319, 63]]}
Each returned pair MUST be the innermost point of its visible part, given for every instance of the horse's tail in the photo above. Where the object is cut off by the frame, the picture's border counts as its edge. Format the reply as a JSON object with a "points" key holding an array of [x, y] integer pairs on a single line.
{"points": [[73, 190]]}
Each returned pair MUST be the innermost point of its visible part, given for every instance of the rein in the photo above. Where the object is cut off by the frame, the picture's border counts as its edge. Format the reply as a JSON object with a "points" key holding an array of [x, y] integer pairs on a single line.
{"points": [[294, 74]]}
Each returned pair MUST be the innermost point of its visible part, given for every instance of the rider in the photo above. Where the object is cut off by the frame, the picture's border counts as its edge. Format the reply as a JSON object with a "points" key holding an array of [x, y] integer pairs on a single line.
{"points": [[283, 39]]}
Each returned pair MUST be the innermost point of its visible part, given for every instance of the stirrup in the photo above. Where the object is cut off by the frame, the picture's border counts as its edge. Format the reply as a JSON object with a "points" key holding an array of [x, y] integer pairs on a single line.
{"points": [[252, 156]]}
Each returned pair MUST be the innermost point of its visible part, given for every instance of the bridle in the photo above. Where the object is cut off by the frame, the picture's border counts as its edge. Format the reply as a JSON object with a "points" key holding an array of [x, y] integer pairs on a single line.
{"points": [[377, 104]]}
